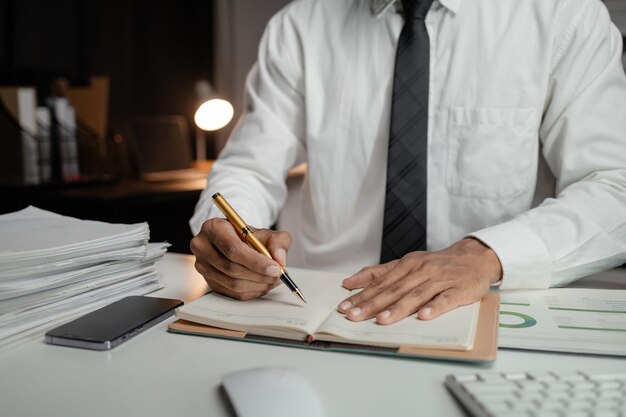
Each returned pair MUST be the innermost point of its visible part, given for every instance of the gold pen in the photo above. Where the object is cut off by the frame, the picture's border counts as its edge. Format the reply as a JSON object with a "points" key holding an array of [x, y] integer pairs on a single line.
{"points": [[244, 229]]}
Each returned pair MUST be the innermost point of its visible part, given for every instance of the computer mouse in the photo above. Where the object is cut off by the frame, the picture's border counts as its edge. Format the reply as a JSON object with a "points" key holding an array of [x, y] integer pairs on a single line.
{"points": [[271, 392]]}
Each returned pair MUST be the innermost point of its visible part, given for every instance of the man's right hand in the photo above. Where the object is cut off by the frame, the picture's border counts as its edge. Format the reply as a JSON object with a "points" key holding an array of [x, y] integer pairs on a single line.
{"points": [[231, 267]]}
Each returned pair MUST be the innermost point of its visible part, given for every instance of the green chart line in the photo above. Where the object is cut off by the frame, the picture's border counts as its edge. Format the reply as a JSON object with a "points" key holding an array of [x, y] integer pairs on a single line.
{"points": [[593, 328], [587, 310]]}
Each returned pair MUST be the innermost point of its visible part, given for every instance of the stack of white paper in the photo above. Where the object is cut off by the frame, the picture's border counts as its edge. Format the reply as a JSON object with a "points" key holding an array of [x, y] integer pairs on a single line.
{"points": [[55, 268]]}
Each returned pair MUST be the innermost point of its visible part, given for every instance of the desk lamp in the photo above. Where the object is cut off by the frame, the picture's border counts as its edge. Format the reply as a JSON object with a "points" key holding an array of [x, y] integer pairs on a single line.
{"points": [[213, 114]]}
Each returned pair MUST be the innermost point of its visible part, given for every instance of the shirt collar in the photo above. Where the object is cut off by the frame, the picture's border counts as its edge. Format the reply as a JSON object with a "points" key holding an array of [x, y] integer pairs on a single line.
{"points": [[381, 6]]}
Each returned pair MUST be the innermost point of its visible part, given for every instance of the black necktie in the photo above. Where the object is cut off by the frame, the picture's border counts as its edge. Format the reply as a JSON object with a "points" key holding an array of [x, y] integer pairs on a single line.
{"points": [[404, 226]]}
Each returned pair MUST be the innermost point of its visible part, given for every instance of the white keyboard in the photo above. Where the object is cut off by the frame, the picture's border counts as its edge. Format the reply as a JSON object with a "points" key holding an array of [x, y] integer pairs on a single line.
{"points": [[549, 394]]}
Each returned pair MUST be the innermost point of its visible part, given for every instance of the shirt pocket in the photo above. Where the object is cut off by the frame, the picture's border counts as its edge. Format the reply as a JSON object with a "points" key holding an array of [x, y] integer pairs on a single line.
{"points": [[492, 152]]}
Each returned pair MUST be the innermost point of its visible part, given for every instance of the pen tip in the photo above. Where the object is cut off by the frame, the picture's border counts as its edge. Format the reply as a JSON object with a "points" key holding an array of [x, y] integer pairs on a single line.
{"points": [[299, 293], [293, 287]]}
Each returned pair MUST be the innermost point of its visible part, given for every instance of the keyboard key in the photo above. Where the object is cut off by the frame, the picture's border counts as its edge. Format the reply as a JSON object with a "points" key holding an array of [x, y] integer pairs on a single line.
{"points": [[583, 386], [581, 395], [516, 376], [496, 406], [558, 395], [579, 404], [496, 396], [514, 414], [491, 377], [578, 413], [605, 385], [532, 396], [608, 404], [606, 413], [574, 377], [486, 376], [466, 378], [525, 406], [491, 387], [542, 377], [552, 405], [611, 394], [548, 413], [607, 377], [531, 385], [558, 386]]}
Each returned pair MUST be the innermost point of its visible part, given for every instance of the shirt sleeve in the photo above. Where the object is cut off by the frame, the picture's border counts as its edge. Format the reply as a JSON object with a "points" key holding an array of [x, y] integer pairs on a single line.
{"points": [[583, 133], [251, 170]]}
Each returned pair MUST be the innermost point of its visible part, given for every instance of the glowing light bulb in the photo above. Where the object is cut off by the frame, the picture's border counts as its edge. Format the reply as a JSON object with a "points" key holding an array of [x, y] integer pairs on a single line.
{"points": [[214, 114]]}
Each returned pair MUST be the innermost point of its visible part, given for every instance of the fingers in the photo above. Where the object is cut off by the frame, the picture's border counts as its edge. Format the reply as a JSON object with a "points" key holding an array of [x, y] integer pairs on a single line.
{"points": [[277, 243], [412, 302], [442, 303], [397, 300], [452, 298], [236, 254], [230, 266], [214, 262], [366, 275], [383, 285], [220, 246], [232, 294], [428, 283], [234, 284]]}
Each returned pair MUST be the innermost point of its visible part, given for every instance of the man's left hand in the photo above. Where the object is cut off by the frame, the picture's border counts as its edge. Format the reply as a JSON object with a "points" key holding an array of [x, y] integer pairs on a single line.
{"points": [[429, 283]]}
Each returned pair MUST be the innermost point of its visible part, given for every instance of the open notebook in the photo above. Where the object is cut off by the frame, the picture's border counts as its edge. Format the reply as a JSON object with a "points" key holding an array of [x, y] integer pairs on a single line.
{"points": [[281, 318]]}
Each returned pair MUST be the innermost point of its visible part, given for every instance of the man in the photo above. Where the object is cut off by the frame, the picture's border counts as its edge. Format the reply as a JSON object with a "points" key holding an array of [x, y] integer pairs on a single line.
{"points": [[517, 117]]}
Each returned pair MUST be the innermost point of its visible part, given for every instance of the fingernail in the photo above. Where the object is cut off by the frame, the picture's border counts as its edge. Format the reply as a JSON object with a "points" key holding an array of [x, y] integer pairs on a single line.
{"points": [[273, 271], [345, 305], [356, 311], [426, 311], [281, 254], [385, 314]]}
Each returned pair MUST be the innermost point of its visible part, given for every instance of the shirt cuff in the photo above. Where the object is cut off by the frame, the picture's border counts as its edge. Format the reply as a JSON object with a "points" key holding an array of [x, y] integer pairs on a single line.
{"points": [[203, 213], [525, 259]]}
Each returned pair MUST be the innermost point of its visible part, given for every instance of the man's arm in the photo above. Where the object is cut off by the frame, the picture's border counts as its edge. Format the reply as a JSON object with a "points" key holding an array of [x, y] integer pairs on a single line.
{"points": [[267, 142], [251, 171], [581, 231]]}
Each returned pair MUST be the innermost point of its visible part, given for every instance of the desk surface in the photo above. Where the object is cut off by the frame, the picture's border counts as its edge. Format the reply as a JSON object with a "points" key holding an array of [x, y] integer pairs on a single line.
{"points": [[163, 374]]}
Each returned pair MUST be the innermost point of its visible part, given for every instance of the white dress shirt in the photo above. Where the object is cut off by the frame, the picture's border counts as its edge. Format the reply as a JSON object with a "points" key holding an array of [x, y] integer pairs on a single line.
{"points": [[527, 134]]}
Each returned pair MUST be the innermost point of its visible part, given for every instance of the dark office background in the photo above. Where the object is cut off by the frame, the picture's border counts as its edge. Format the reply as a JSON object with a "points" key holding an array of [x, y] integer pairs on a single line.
{"points": [[153, 51]]}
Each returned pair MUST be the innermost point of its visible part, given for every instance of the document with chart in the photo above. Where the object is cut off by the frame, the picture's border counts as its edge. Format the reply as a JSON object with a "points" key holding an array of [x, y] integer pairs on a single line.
{"points": [[575, 320]]}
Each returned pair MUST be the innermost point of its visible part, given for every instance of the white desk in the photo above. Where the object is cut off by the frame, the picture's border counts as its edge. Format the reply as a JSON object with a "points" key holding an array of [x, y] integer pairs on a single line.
{"points": [[163, 374]]}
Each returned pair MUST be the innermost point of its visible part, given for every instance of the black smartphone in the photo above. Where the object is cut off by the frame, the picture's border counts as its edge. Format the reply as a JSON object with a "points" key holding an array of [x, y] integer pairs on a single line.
{"points": [[109, 326]]}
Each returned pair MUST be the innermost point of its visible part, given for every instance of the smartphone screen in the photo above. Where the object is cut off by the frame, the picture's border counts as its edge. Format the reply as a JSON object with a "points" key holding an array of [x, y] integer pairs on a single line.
{"points": [[111, 325]]}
